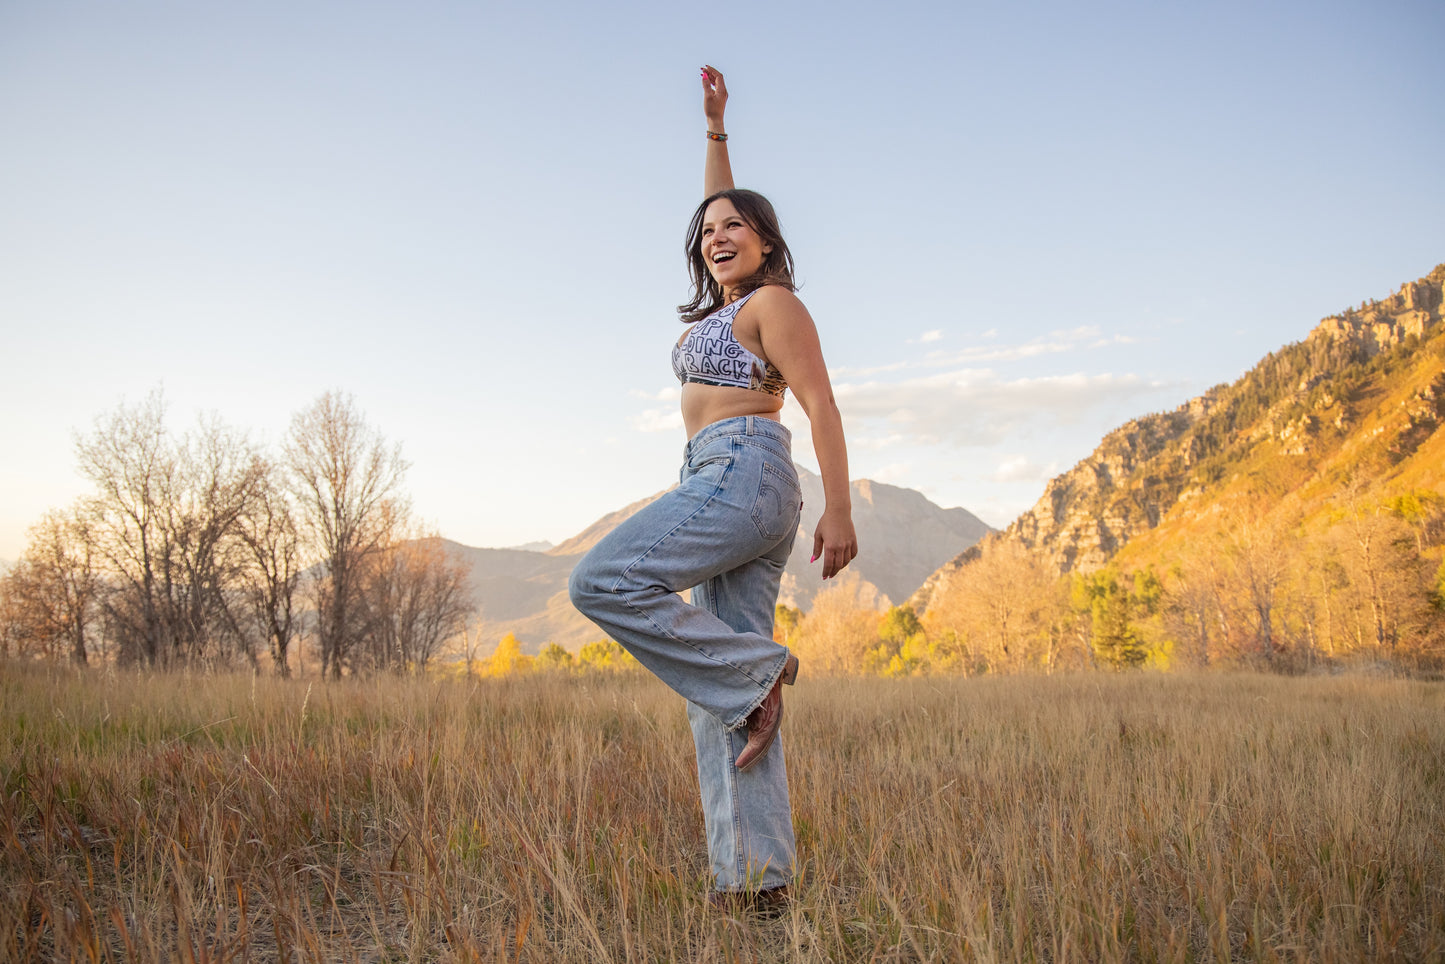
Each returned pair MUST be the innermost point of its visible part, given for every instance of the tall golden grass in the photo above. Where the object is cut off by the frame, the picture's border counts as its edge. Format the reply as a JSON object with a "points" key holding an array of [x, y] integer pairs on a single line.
{"points": [[553, 818]]}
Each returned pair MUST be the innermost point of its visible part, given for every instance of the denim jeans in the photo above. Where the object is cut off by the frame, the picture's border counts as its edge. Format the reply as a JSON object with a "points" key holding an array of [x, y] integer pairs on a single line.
{"points": [[725, 533]]}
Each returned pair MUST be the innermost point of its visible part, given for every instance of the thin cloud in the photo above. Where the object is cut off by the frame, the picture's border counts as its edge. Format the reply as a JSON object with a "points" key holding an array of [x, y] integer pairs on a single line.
{"points": [[844, 371], [976, 407], [1060, 341]]}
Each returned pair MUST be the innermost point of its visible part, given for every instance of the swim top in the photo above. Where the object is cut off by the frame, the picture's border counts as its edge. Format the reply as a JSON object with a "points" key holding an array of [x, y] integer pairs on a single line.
{"points": [[709, 355]]}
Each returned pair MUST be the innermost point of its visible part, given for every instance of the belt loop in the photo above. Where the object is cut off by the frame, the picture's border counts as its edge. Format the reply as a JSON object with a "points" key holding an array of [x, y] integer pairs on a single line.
{"points": [[750, 426]]}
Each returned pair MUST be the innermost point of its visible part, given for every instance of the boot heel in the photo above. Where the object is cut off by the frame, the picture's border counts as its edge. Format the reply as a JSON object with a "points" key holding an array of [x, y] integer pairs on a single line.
{"points": [[790, 670]]}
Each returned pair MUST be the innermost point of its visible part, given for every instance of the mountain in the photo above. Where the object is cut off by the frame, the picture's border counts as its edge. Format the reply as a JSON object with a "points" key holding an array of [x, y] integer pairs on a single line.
{"points": [[900, 535], [903, 537], [1358, 400]]}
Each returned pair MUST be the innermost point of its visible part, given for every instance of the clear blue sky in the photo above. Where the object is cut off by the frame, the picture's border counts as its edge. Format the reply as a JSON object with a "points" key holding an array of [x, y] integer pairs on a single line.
{"points": [[1017, 224]]}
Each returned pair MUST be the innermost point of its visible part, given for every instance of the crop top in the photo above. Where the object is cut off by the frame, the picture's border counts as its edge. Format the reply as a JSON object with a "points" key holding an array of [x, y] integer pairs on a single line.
{"points": [[709, 355]]}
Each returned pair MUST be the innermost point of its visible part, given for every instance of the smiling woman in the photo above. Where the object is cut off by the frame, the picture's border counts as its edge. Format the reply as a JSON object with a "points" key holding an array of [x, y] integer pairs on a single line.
{"points": [[725, 532]]}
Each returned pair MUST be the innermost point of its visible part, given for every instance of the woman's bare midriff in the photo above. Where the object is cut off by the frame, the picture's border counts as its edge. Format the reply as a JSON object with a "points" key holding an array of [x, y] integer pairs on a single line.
{"points": [[704, 404]]}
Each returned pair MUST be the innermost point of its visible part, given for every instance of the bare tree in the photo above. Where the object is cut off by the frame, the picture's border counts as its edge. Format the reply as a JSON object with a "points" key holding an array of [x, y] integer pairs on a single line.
{"points": [[415, 597], [163, 526], [128, 458], [270, 582], [220, 478], [347, 481]]}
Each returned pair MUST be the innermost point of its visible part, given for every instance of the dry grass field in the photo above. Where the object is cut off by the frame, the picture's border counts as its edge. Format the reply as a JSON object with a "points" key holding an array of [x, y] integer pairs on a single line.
{"points": [[554, 818]]}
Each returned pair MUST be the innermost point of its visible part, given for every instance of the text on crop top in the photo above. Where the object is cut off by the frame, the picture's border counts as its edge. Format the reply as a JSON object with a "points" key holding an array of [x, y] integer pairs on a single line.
{"points": [[709, 354]]}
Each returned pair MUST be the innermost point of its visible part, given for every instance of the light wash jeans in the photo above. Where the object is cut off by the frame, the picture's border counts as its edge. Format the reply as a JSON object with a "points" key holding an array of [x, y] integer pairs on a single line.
{"points": [[725, 532]]}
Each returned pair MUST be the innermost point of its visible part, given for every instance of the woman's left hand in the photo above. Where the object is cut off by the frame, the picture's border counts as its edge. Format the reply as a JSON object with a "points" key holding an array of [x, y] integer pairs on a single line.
{"points": [[835, 540], [714, 98]]}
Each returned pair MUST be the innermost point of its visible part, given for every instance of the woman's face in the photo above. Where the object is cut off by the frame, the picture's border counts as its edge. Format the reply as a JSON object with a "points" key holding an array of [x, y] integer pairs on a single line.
{"points": [[733, 251]]}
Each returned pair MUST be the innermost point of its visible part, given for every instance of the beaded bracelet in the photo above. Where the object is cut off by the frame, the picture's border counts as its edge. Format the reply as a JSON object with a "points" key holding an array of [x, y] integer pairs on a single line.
{"points": [[714, 136]]}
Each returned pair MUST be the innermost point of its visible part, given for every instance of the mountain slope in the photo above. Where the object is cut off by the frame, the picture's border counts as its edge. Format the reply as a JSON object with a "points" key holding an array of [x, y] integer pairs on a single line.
{"points": [[1360, 398], [903, 536]]}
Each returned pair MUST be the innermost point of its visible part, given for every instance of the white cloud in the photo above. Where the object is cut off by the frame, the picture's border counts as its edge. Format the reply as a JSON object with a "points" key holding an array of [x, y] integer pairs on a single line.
{"points": [[657, 420], [1020, 468], [669, 394], [923, 339], [895, 473]]}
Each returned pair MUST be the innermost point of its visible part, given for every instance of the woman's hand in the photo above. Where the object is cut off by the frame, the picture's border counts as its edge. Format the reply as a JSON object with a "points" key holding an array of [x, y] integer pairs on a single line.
{"points": [[714, 98], [834, 540], [717, 170]]}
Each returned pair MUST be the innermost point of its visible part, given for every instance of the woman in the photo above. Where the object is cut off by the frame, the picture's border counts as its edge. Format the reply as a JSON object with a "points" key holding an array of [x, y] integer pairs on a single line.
{"points": [[726, 531]]}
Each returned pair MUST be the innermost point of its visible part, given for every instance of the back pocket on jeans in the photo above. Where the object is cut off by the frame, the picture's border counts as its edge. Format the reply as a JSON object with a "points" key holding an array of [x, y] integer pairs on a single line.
{"points": [[775, 512]]}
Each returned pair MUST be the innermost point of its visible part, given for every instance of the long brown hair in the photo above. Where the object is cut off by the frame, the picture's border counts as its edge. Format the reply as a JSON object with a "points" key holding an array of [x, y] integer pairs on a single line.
{"points": [[777, 269]]}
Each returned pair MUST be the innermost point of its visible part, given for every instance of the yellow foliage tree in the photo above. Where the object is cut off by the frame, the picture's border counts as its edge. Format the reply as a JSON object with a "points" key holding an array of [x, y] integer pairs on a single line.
{"points": [[554, 657], [605, 654], [507, 658]]}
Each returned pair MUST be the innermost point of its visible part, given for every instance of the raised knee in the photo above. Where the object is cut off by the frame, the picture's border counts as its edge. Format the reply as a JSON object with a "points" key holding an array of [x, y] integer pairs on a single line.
{"points": [[585, 586]]}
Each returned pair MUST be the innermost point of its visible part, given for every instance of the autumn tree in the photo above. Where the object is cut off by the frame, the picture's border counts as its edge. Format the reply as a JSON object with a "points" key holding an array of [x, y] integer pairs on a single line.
{"points": [[508, 658], [1003, 610], [554, 656], [786, 620], [50, 597], [605, 654], [903, 645], [841, 629], [1389, 582]]}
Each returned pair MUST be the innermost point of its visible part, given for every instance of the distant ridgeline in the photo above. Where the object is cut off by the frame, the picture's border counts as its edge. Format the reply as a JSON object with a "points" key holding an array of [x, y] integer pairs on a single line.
{"points": [[1349, 412]]}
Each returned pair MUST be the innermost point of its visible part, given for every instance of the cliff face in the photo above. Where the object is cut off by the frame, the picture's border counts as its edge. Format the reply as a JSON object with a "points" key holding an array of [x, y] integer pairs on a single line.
{"points": [[1087, 513], [1303, 402], [1381, 325]]}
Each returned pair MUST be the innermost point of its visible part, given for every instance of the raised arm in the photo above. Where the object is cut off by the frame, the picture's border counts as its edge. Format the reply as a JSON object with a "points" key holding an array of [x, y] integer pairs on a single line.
{"points": [[717, 172]]}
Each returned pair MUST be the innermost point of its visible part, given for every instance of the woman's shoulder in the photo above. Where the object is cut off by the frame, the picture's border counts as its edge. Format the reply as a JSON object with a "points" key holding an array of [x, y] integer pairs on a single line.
{"points": [[770, 297], [775, 303]]}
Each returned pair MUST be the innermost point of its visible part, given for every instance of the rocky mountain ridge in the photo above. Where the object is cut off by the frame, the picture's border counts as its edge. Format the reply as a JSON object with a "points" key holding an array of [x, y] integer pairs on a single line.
{"points": [[1293, 403]]}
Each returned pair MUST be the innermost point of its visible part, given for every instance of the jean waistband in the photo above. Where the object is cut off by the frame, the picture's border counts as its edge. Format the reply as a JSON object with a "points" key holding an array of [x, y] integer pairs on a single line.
{"points": [[741, 425]]}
